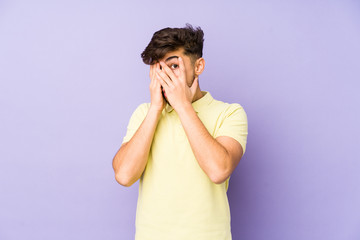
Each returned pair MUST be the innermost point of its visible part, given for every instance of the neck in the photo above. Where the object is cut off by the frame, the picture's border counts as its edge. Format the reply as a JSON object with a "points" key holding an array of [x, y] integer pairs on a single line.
{"points": [[198, 95]]}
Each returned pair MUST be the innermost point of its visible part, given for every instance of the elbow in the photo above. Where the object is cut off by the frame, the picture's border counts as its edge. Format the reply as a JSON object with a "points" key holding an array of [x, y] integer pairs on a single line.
{"points": [[220, 174], [121, 178], [126, 182], [222, 170], [218, 178]]}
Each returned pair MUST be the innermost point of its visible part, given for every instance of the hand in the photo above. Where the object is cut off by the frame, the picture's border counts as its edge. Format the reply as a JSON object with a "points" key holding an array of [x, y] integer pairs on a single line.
{"points": [[177, 91], [157, 100]]}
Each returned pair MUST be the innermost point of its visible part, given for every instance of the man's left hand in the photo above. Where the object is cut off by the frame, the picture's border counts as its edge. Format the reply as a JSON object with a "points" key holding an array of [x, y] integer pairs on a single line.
{"points": [[177, 91]]}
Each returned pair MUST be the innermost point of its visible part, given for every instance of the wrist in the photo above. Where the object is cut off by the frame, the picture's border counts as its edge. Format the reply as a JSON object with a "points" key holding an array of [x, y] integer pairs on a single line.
{"points": [[155, 109], [180, 109]]}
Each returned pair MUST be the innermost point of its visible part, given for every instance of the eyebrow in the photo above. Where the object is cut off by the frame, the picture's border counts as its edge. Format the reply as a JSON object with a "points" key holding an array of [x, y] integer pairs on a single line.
{"points": [[169, 58]]}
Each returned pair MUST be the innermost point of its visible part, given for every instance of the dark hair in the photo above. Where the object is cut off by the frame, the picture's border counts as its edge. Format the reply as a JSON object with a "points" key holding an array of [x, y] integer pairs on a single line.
{"points": [[172, 39]]}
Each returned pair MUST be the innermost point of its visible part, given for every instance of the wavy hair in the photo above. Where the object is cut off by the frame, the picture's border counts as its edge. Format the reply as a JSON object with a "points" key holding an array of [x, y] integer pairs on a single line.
{"points": [[171, 39]]}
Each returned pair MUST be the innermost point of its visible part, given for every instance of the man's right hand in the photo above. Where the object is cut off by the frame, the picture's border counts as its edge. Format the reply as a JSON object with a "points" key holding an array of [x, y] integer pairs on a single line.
{"points": [[157, 100]]}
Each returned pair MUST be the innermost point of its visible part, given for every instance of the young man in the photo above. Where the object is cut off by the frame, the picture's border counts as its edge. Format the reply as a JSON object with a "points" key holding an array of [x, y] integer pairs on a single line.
{"points": [[183, 145]]}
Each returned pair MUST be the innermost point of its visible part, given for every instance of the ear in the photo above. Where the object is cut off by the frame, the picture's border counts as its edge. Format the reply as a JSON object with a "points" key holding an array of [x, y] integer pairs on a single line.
{"points": [[199, 66]]}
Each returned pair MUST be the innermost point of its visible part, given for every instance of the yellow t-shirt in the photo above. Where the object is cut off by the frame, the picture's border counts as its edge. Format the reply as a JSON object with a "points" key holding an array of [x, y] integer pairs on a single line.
{"points": [[177, 200]]}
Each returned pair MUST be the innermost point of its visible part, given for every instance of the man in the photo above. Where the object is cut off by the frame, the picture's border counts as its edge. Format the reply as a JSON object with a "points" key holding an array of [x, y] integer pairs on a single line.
{"points": [[183, 146]]}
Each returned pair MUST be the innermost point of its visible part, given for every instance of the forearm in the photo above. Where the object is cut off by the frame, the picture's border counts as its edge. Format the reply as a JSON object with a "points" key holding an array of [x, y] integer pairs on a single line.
{"points": [[210, 154], [130, 161]]}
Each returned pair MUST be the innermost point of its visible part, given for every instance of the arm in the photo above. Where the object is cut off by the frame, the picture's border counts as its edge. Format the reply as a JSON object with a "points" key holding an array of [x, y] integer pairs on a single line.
{"points": [[217, 157], [130, 160]]}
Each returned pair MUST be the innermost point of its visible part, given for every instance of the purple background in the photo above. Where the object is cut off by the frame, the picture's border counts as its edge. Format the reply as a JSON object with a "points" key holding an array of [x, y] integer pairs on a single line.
{"points": [[71, 75]]}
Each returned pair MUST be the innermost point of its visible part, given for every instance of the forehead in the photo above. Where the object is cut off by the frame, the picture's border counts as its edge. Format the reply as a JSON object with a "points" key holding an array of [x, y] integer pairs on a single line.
{"points": [[173, 55]]}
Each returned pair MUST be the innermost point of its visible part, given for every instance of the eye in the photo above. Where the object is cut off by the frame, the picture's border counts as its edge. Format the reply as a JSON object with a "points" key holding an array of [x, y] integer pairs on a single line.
{"points": [[174, 66]]}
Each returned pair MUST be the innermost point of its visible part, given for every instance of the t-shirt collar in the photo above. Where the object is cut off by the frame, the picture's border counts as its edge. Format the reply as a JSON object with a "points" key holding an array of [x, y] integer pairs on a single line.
{"points": [[199, 104]]}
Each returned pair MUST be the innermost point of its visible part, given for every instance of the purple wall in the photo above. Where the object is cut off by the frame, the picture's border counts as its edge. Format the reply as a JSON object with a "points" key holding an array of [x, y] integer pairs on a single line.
{"points": [[71, 75]]}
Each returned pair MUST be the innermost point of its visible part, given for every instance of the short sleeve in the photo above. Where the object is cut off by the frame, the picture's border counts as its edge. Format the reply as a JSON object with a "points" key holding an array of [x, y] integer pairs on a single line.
{"points": [[234, 124], [135, 121]]}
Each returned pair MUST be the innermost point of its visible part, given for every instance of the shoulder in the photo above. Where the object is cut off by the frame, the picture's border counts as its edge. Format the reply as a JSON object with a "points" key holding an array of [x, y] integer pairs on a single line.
{"points": [[142, 108], [227, 109], [232, 122], [140, 112], [231, 107]]}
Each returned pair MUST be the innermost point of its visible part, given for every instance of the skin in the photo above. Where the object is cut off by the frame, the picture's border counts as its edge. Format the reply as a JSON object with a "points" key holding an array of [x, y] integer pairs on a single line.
{"points": [[170, 65], [178, 77]]}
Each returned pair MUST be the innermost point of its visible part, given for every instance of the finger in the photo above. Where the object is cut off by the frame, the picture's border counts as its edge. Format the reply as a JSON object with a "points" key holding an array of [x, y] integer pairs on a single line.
{"points": [[165, 78], [151, 75], [163, 84], [157, 81], [168, 71], [182, 68], [154, 70], [157, 66], [157, 84], [151, 72], [154, 67]]}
